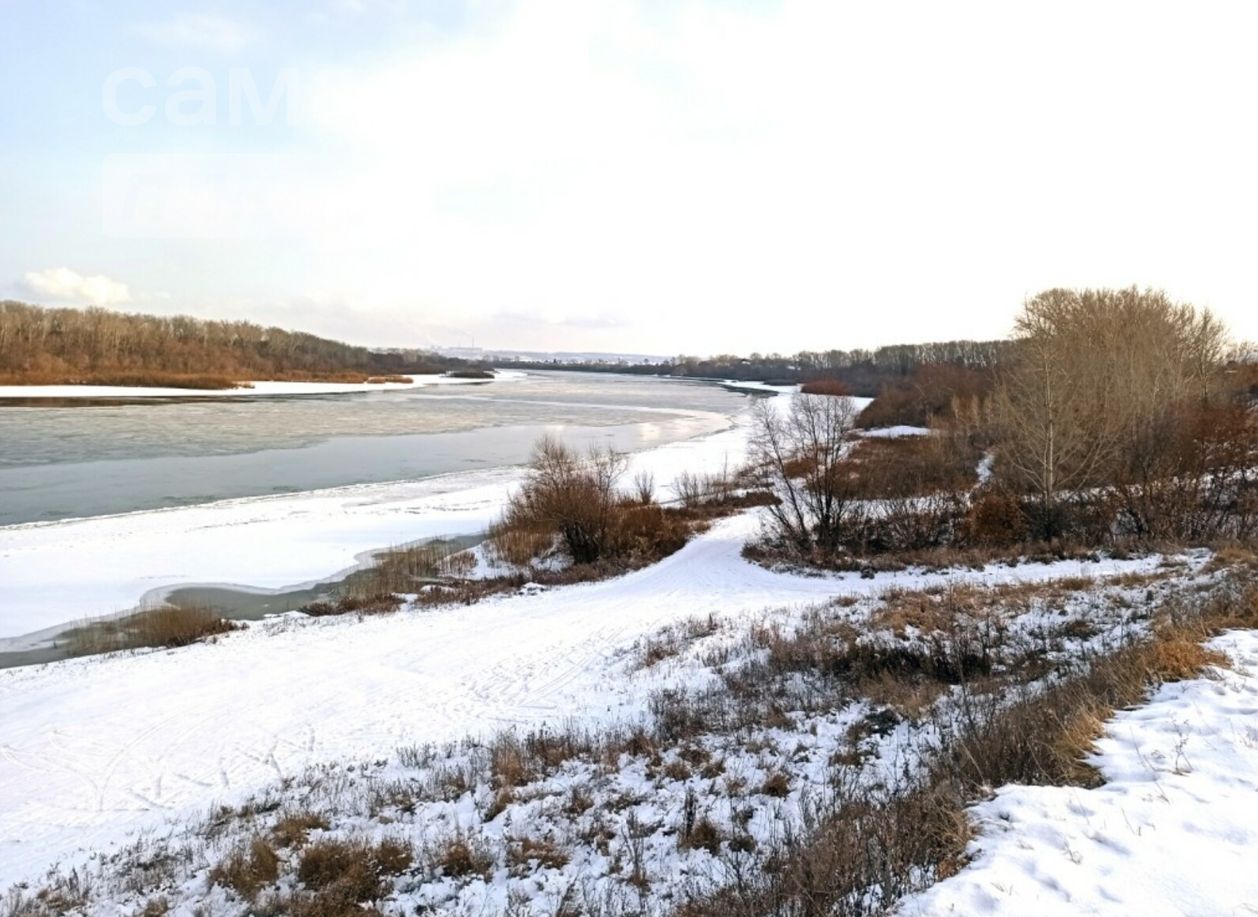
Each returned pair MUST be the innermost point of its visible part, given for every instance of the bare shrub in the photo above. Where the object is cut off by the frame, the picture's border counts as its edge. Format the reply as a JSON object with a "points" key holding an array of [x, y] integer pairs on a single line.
{"points": [[814, 505], [573, 496], [644, 487], [995, 519]]}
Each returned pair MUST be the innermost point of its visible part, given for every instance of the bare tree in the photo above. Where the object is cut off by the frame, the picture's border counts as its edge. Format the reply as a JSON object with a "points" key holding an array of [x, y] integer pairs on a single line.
{"points": [[800, 453]]}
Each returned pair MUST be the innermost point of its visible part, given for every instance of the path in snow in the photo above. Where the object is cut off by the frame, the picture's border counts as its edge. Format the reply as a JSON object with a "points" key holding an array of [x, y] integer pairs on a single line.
{"points": [[93, 748], [1173, 831]]}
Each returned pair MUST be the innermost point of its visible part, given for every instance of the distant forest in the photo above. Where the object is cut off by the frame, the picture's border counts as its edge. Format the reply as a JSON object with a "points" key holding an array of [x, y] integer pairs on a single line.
{"points": [[863, 372], [41, 346]]}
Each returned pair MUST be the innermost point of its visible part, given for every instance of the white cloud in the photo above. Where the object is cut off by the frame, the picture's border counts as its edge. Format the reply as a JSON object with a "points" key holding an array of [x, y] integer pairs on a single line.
{"points": [[61, 284], [198, 30]]}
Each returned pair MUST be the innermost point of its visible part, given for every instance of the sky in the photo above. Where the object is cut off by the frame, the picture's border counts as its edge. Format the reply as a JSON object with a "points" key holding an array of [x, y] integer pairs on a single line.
{"points": [[652, 176]]}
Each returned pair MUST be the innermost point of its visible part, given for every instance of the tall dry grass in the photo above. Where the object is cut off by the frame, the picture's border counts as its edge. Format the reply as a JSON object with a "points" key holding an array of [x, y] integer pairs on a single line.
{"points": [[169, 626]]}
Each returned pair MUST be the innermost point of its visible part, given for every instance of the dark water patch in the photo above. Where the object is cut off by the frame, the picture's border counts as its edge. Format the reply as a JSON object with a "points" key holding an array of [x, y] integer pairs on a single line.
{"points": [[239, 603]]}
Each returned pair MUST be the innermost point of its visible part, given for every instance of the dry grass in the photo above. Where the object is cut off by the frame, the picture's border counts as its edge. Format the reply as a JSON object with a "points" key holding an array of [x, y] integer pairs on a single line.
{"points": [[867, 850], [1177, 658], [374, 604], [352, 871], [525, 855], [400, 570], [519, 545], [248, 869], [777, 784], [292, 829], [463, 856], [170, 626]]}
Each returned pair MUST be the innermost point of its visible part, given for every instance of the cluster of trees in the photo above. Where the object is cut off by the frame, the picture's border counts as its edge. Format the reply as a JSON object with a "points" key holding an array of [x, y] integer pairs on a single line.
{"points": [[40, 345], [1112, 415], [1119, 415]]}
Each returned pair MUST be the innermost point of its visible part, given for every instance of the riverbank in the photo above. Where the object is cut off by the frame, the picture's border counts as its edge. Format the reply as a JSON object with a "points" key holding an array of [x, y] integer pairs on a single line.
{"points": [[63, 573]]}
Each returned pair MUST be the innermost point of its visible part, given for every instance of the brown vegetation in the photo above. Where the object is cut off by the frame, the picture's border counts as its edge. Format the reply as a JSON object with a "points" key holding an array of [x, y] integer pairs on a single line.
{"points": [[932, 392], [570, 495], [248, 869], [169, 626], [825, 387], [95, 346], [1115, 421], [572, 503], [867, 849]]}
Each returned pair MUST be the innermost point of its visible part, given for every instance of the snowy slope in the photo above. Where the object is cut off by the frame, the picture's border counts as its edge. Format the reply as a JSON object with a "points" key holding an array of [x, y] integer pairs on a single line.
{"points": [[93, 748], [1172, 832]]}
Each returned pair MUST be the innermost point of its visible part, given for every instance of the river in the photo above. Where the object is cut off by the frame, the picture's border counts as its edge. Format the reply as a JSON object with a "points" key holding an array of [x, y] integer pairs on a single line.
{"points": [[90, 458]]}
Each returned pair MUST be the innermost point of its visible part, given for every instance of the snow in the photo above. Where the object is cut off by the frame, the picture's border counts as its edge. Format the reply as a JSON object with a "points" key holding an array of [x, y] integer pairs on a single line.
{"points": [[985, 467], [248, 389], [93, 749], [760, 388], [1172, 831], [895, 432]]}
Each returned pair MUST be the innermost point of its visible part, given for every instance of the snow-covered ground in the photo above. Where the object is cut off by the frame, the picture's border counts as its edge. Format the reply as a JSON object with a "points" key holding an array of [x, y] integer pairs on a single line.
{"points": [[248, 389], [895, 432], [95, 748], [763, 388], [1172, 832]]}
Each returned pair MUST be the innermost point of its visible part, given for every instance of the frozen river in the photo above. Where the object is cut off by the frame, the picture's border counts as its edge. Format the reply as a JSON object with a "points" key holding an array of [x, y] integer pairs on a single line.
{"points": [[90, 458]]}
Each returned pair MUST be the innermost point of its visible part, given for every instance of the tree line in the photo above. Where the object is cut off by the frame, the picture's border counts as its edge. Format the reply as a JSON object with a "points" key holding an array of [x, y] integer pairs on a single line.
{"points": [[862, 372], [66, 346]]}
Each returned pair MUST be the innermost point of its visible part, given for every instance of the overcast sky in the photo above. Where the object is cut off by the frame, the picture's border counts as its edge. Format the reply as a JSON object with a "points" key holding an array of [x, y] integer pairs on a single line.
{"points": [[658, 176]]}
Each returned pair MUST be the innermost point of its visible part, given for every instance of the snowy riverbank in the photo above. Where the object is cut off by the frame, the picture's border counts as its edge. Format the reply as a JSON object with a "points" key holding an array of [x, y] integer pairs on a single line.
{"points": [[63, 572]]}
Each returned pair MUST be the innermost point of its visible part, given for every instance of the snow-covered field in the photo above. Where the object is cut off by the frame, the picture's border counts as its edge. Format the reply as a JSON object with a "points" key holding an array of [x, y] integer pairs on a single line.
{"points": [[252, 389], [1172, 832]]}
